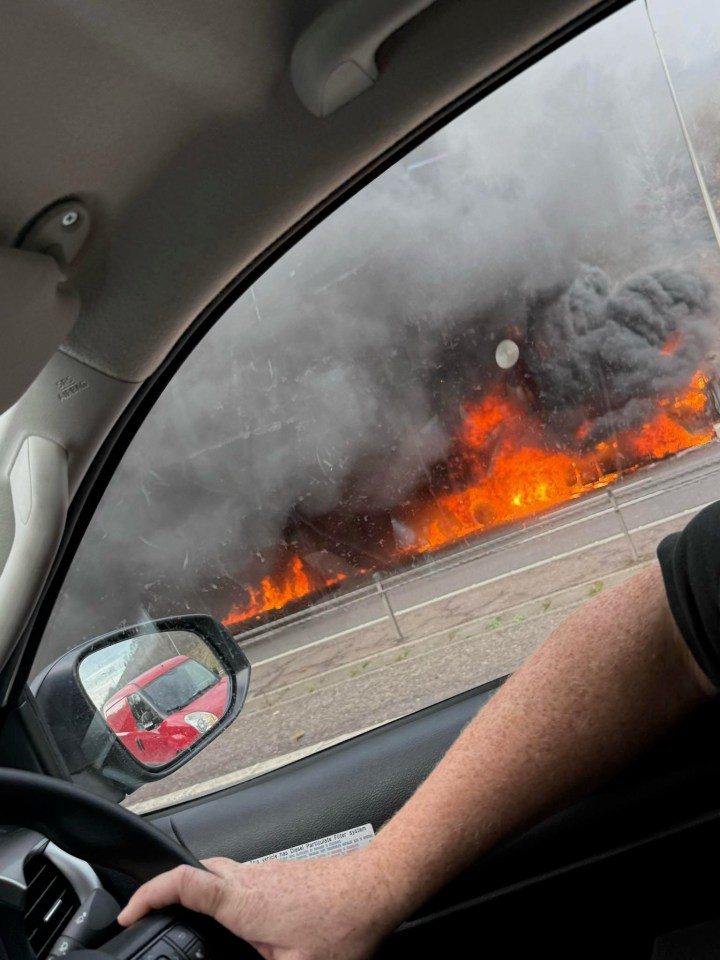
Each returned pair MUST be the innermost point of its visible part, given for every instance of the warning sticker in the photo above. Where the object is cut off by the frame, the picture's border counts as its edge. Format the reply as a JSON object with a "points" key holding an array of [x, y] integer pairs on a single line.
{"points": [[333, 846]]}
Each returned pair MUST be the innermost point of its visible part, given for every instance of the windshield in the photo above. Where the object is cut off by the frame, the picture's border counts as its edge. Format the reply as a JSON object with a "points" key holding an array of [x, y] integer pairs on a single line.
{"points": [[179, 686]]}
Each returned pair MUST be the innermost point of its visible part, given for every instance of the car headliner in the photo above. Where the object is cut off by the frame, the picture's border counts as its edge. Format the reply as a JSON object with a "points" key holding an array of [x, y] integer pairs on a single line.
{"points": [[176, 122]]}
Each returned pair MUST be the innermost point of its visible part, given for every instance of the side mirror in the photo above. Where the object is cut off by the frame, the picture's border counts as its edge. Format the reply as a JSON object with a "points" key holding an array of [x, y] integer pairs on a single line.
{"points": [[133, 706]]}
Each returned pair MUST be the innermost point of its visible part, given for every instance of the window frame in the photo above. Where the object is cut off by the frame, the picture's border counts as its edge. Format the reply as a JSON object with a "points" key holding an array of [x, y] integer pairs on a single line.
{"points": [[106, 461]]}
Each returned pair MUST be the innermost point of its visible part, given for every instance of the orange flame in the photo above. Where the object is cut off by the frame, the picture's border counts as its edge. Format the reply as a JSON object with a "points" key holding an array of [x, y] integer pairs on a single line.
{"points": [[663, 436], [277, 590], [518, 476], [273, 593], [502, 470], [671, 344]]}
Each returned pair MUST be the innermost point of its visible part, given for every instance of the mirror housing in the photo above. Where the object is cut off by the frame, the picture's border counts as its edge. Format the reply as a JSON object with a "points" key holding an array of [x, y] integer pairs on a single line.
{"points": [[86, 699]]}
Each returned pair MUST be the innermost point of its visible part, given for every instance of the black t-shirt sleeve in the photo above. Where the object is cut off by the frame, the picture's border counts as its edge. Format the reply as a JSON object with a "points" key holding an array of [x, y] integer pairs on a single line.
{"points": [[690, 564]]}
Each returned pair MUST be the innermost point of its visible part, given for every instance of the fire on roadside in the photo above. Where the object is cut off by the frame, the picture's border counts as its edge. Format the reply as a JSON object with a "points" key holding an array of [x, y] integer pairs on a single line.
{"points": [[503, 467]]}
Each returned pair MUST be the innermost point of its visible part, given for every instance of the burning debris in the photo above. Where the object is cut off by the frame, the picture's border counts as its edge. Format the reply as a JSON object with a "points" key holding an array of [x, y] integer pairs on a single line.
{"points": [[604, 380]]}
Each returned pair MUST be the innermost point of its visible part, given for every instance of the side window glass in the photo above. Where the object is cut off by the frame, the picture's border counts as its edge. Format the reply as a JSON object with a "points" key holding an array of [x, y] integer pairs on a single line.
{"points": [[688, 39], [143, 714], [478, 393]]}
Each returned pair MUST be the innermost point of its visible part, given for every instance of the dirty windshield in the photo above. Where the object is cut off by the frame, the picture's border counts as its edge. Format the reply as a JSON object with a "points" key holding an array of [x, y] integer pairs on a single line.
{"points": [[477, 393]]}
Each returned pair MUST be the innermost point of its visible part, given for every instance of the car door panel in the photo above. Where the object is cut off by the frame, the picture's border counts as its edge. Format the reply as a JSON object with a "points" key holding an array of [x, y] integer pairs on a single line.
{"points": [[362, 780], [617, 859]]}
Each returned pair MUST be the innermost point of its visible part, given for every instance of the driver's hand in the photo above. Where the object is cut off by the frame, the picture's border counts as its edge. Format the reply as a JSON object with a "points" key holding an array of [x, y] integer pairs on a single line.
{"points": [[335, 908]]}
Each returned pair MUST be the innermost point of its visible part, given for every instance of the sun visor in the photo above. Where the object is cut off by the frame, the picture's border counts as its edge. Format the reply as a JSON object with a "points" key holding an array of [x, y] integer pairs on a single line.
{"points": [[37, 310]]}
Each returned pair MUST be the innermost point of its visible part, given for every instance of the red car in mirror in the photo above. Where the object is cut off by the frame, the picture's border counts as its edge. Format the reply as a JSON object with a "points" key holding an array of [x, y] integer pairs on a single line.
{"points": [[159, 713]]}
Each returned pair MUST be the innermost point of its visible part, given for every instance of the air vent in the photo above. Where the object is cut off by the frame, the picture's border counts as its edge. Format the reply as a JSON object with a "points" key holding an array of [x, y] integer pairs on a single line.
{"points": [[51, 902]]}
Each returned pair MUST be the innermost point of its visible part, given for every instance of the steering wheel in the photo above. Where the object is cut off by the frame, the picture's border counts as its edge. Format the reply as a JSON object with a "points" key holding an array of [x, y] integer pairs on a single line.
{"points": [[106, 835]]}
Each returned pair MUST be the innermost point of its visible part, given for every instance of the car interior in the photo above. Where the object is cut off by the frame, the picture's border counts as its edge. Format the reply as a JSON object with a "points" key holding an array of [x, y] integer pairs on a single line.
{"points": [[157, 160]]}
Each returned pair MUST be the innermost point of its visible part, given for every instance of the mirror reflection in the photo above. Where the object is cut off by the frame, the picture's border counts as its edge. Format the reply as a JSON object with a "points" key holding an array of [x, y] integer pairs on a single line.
{"points": [[157, 692]]}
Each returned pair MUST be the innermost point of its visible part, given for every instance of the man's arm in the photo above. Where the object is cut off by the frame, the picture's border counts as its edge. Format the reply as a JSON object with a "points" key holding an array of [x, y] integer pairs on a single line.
{"points": [[608, 681]]}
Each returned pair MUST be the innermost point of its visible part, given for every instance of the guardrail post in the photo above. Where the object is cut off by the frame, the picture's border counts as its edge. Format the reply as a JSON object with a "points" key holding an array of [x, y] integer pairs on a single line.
{"points": [[386, 603], [621, 521]]}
